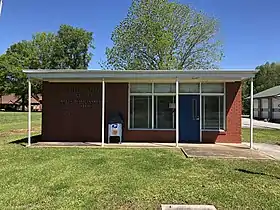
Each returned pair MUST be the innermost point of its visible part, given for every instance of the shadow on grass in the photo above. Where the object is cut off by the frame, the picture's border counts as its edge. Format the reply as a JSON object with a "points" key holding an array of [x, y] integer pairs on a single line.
{"points": [[23, 142], [256, 173]]}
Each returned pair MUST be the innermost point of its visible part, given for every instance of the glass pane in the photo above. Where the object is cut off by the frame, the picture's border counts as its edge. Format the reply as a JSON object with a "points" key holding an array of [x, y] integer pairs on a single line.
{"points": [[141, 88], [165, 88], [189, 88], [212, 88], [164, 112], [140, 112], [210, 112]]}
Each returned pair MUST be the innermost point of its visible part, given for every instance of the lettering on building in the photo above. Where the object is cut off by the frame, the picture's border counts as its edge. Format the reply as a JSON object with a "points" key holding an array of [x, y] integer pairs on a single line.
{"points": [[84, 98]]}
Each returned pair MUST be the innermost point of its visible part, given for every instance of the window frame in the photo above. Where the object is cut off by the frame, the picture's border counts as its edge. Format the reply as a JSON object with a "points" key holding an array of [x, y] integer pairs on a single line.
{"points": [[224, 109], [149, 111], [173, 115], [190, 93], [153, 94], [129, 108], [200, 94]]}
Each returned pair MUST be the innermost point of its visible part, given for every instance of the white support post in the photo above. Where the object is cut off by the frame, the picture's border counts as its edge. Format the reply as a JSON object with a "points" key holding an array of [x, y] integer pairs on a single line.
{"points": [[177, 112], [200, 114], [251, 113], [153, 105], [29, 113], [103, 114]]}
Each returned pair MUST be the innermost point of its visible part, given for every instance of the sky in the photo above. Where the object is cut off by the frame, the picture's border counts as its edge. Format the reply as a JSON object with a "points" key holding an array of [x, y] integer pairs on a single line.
{"points": [[249, 29]]}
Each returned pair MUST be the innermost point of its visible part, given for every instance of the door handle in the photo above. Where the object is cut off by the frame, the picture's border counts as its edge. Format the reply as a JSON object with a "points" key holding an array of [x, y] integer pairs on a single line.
{"points": [[194, 110]]}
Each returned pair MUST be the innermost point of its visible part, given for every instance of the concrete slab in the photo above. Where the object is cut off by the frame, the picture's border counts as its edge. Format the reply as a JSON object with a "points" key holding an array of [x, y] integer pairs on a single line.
{"points": [[263, 151], [239, 151], [272, 150], [98, 145], [187, 207], [66, 144]]}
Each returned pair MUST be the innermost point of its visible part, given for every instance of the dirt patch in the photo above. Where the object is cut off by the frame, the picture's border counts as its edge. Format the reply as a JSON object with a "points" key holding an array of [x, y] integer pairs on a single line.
{"points": [[23, 130], [18, 131]]}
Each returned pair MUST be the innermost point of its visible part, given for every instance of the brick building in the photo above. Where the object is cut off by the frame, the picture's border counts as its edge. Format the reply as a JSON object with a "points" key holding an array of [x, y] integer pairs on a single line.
{"points": [[156, 106], [12, 102]]}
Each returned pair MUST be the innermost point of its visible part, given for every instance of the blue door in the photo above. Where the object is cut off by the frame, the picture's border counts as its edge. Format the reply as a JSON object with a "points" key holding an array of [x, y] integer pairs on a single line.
{"points": [[189, 118]]}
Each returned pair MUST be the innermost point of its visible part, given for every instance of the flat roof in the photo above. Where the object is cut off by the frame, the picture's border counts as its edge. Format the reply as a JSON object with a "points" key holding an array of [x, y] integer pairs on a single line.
{"points": [[62, 74]]}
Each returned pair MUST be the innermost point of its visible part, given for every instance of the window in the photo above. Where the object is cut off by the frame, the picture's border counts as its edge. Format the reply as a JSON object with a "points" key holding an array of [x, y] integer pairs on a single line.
{"points": [[213, 112], [189, 88], [140, 112], [152, 106], [212, 87], [141, 88], [165, 88], [164, 112]]}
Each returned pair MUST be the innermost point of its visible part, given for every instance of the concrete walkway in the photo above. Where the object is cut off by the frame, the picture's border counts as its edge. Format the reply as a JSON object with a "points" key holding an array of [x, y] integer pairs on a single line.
{"points": [[272, 150], [239, 151], [259, 124], [111, 145]]}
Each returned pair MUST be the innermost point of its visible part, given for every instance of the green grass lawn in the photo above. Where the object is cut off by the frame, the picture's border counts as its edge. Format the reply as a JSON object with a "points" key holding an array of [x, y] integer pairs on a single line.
{"points": [[87, 178], [271, 136]]}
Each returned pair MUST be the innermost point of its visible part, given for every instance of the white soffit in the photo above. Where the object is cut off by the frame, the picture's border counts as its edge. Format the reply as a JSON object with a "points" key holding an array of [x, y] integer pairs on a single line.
{"points": [[130, 75]]}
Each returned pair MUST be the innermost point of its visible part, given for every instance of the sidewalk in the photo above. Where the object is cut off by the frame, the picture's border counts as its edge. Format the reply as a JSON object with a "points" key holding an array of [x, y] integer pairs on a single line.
{"points": [[272, 150], [259, 124]]}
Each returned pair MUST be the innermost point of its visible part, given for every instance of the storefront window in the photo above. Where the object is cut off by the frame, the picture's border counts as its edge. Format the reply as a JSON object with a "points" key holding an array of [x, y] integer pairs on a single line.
{"points": [[212, 87], [213, 112], [141, 88], [164, 88], [189, 88], [164, 112], [152, 106], [140, 112]]}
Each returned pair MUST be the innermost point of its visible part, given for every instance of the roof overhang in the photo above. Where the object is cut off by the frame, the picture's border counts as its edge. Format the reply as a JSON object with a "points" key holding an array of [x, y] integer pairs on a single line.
{"points": [[269, 96], [136, 75]]}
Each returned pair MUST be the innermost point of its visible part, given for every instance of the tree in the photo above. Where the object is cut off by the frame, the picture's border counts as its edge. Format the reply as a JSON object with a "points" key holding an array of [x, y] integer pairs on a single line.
{"points": [[45, 46], [19, 56], [268, 76], [4, 68], [68, 49], [73, 47], [158, 34]]}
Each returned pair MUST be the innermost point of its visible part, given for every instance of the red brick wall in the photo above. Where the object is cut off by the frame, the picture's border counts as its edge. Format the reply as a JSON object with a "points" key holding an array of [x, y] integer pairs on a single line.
{"points": [[72, 112], [167, 136], [233, 119], [116, 101]]}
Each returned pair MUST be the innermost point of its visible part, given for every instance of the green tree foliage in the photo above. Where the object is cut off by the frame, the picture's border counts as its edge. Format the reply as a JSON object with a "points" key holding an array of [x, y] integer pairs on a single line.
{"points": [[158, 34], [45, 46], [19, 56], [73, 48], [5, 69], [70, 48], [268, 76]]}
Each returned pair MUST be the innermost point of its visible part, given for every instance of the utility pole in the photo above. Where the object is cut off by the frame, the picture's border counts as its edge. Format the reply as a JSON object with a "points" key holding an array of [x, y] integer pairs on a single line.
{"points": [[1, 5]]}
